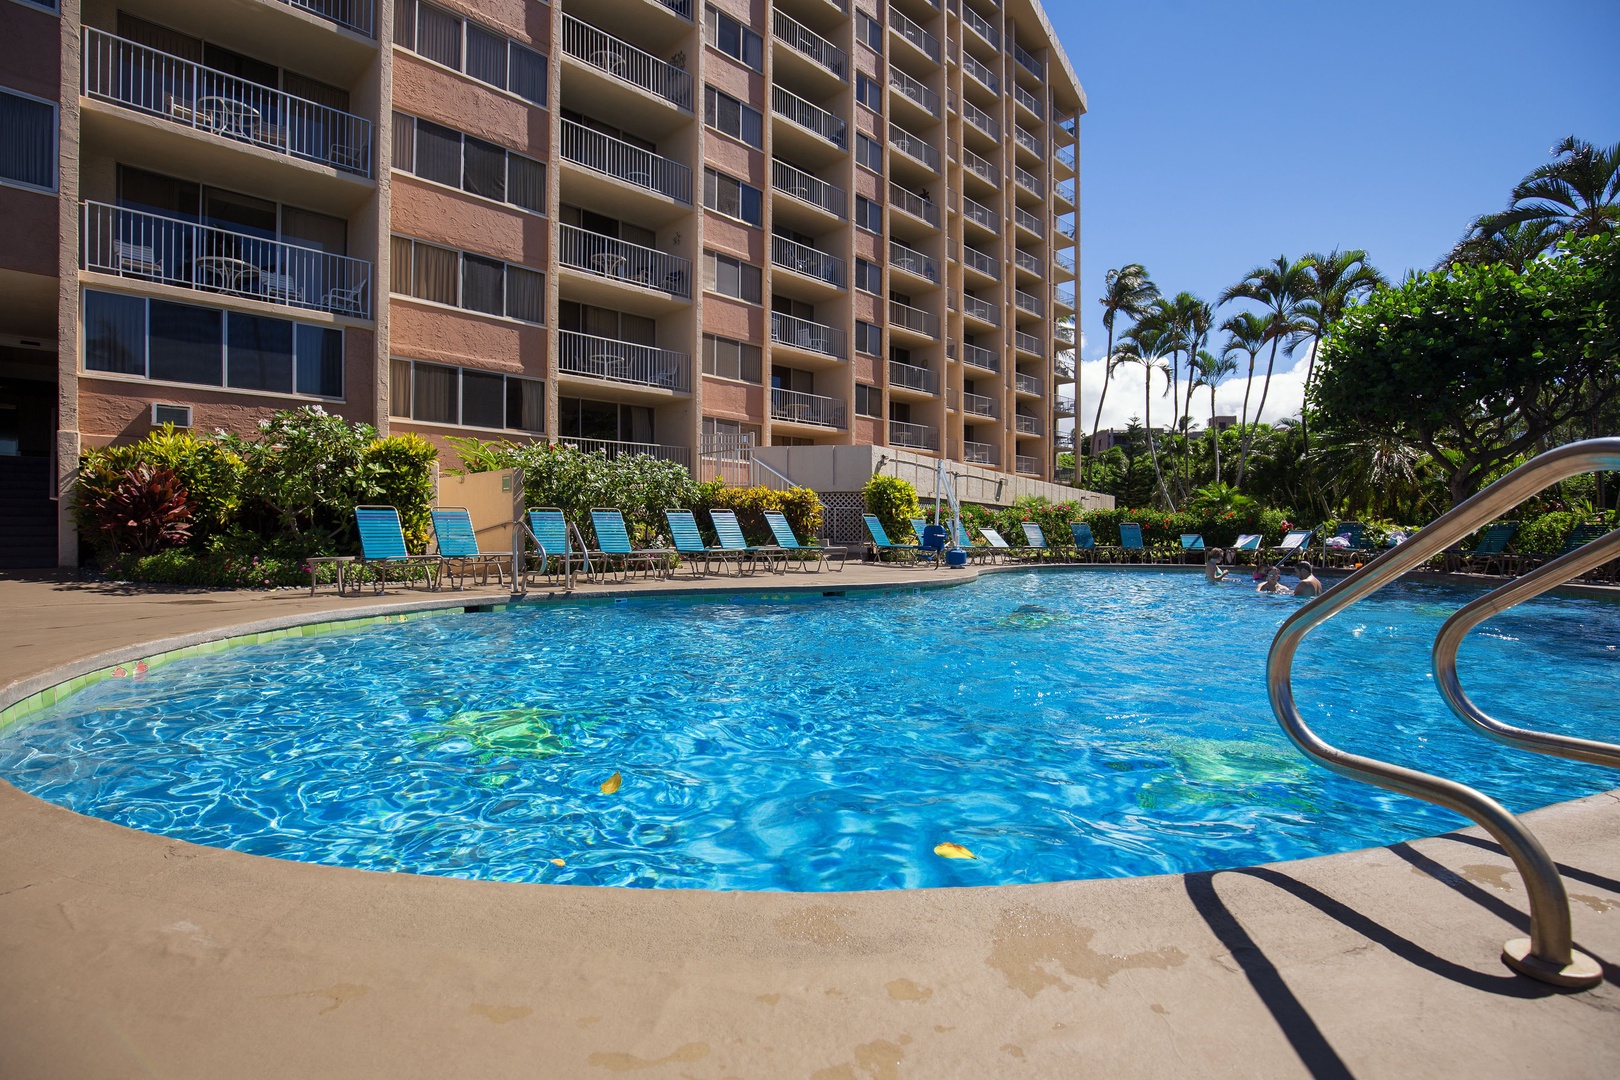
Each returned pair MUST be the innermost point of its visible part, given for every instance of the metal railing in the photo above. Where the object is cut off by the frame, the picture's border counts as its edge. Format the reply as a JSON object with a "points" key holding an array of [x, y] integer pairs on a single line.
{"points": [[1066, 229], [980, 357], [978, 453], [979, 405], [1028, 140], [683, 8], [914, 319], [1029, 302], [623, 361], [981, 168], [609, 257], [981, 26], [1063, 296], [802, 39], [1064, 190], [1029, 221], [983, 310], [1548, 954], [981, 119], [135, 244], [1063, 406], [801, 408], [1064, 257], [1064, 333], [913, 147], [788, 180], [1027, 260], [917, 436], [1024, 463], [622, 161], [984, 75], [810, 336], [915, 90], [913, 377], [625, 62], [1026, 384], [982, 261], [913, 204], [1028, 180], [806, 260], [812, 118], [191, 95], [928, 43], [913, 261], [1028, 101], [357, 15], [614, 448], [1065, 155], [1027, 343], [981, 214], [1028, 60]]}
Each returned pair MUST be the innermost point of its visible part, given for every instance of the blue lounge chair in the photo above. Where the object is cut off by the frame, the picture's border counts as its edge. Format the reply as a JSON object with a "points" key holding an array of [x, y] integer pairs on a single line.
{"points": [[683, 530], [1246, 542], [1130, 542], [1491, 551], [881, 544], [1085, 543], [613, 546], [382, 545], [788, 540], [731, 538], [457, 545], [558, 559], [1353, 548], [1191, 544], [918, 527], [1035, 542], [964, 542]]}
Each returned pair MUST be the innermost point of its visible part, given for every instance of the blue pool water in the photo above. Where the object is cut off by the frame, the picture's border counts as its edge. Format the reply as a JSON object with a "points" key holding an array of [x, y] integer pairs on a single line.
{"points": [[1057, 725]]}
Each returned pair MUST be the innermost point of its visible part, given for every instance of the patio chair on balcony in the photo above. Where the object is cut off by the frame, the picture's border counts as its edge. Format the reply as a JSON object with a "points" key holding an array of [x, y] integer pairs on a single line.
{"points": [[880, 544], [382, 549], [788, 541], [136, 260], [613, 546], [557, 559], [731, 539], [683, 530], [283, 288], [457, 545], [350, 301]]}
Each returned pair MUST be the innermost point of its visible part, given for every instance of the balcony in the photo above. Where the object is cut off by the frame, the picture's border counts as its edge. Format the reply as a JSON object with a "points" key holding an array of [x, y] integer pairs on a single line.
{"points": [[623, 362], [614, 157], [914, 319], [983, 310], [1028, 302], [1064, 259], [979, 405], [1028, 181], [1064, 333], [620, 260], [913, 261], [1026, 465], [1063, 296], [1067, 230], [981, 261], [1028, 140], [1065, 156], [925, 42], [1027, 220], [1064, 190], [1027, 343], [981, 168], [1027, 384], [1025, 424], [985, 77], [913, 204], [614, 448], [913, 377], [913, 147], [981, 120], [914, 90], [802, 259], [1027, 260], [187, 94], [1028, 61], [353, 15], [135, 244], [812, 118], [1063, 406], [980, 214], [981, 26], [626, 63], [805, 41], [978, 453], [916, 436], [1029, 101], [980, 357], [787, 180], [810, 336], [795, 407]]}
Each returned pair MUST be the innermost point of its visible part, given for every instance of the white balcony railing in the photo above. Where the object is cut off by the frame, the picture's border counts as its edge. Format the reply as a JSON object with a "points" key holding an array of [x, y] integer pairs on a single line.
{"points": [[356, 15], [917, 436], [978, 453], [623, 361], [622, 161], [188, 255], [913, 377], [620, 260], [1029, 221], [913, 261], [625, 62], [1029, 61], [806, 260], [981, 26], [1026, 465], [615, 448], [980, 214], [802, 39], [984, 75], [915, 91], [913, 147], [812, 118], [1028, 343], [981, 120], [1028, 101], [796, 407], [1027, 180], [182, 92], [1027, 384], [982, 261], [1029, 302], [981, 168], [983, 310], [913, 204], [979, 405], [810, 336], [1063, 406], [1025, 424], [914, 319], [980, 357], [1028, 140], [788, 180], [915, 34], [1027, 260]]}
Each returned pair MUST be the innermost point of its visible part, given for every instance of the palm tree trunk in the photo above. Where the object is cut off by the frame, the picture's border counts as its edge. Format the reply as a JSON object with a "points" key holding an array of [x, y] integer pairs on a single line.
{"points": [[1215, 436], [1310, 372], [1147, 422], [1108, 373], [1248, 433]]}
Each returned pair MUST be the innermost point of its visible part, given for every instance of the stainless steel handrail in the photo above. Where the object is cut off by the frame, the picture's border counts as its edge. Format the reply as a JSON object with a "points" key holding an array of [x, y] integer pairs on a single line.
{"points": [[1548, 954], [1517, 591]]}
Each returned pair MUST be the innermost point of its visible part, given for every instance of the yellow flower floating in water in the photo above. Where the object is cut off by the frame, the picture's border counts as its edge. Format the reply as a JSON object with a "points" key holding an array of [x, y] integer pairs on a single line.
{"points": [[558, 862], [948, 850], [611, 784]]}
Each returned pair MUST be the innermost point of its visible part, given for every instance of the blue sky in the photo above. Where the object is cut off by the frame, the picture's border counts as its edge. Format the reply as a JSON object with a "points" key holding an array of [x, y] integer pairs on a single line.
{"points": [[1222, 133]]}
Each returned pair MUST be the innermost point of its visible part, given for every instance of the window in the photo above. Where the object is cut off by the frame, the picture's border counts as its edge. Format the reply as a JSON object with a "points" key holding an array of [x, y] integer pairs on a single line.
{"points": [[581, 418], [728, 359], [156, 339], [466, 46], [726, 195], [462, 279], [868, 214], [868, 400], [467, 397], [868, 152], [868, 31], [868, 339], [446, 156], [734, 39], [869, 93], [27, 141], [730, 116], [730, 276], [868, 277]]}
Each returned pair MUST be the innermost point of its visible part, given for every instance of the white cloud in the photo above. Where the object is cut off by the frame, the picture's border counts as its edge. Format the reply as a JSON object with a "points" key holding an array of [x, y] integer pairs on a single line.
{"points": [[1124, 400]]}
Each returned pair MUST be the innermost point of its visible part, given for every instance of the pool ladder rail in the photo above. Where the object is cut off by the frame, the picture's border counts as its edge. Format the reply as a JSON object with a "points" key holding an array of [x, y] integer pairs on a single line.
{"points": [[1548, 954]]}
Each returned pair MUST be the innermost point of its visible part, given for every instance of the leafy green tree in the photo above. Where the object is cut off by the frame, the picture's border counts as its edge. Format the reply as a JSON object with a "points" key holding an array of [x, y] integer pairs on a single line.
{"points": [[1279, 286], [1480, 365], [1128, 291]]}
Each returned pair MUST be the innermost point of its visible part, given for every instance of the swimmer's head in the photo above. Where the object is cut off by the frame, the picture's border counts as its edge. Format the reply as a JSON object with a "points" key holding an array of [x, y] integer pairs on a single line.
{"points": [[1305, 570]]}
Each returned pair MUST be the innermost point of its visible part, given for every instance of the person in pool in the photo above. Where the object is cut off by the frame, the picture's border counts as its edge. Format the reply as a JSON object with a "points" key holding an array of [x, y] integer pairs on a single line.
{"points": [[1273, 583], [1261, 568], [1212, 567], [1309, 583]]}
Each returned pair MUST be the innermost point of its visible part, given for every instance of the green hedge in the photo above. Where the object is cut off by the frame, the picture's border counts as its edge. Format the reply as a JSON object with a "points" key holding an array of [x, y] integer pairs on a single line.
{"points": [[1219, 528], [800, 505]]}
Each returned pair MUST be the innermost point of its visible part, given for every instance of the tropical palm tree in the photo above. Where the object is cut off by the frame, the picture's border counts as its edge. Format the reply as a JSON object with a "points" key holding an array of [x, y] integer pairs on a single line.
{"points": [[1246, 332], [1153, 339], [1125, 354], [1127, 290], [1279, 286], [1337, 280], [1578, 193], [1513, 244], [1194, 320], [1211, 370]]}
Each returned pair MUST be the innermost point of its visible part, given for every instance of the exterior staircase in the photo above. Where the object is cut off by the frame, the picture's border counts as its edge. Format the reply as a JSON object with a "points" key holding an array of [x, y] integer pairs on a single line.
{"points": [[27, 514]]}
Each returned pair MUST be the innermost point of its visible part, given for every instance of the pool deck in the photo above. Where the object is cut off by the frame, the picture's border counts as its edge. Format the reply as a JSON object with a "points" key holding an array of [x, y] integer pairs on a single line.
{"points": [[127, 954]]}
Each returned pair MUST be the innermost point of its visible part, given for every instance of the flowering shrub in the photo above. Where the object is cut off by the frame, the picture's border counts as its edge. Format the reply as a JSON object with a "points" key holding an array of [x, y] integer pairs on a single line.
{"points": [[893, 502], [143, 510], [800, 505]]}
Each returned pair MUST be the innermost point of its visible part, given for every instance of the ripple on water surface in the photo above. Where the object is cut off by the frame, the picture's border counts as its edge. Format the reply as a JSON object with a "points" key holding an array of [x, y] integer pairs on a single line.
{"points": [[1055, 725]]}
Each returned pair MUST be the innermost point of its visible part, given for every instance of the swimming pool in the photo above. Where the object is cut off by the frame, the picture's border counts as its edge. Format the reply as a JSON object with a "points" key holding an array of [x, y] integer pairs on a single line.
{"points": [[1052, 724]]}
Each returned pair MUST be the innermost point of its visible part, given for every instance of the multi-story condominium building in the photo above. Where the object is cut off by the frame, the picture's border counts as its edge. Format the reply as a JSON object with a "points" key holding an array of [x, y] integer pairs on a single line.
{"points": [[657, 225]]}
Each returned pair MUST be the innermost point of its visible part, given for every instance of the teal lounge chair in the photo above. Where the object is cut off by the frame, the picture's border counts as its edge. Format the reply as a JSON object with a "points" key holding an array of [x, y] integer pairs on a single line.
{"points": [[1035, 541], [881, 544], [1130, 542], [613, 546], [917, 527], [1246, 542], [1085, 543], [732, 539], [557, 560], [1191, 544], [1578, 537], [382, 545], [683, 530], [788, 541], [457, 545], [1491, 551], [975, 552], [1353, 550]]}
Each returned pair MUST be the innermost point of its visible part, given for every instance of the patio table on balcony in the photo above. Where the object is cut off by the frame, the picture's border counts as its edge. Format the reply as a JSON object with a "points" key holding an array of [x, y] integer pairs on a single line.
{"points": [[609, 263], [608, 60], [224, 273]]}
